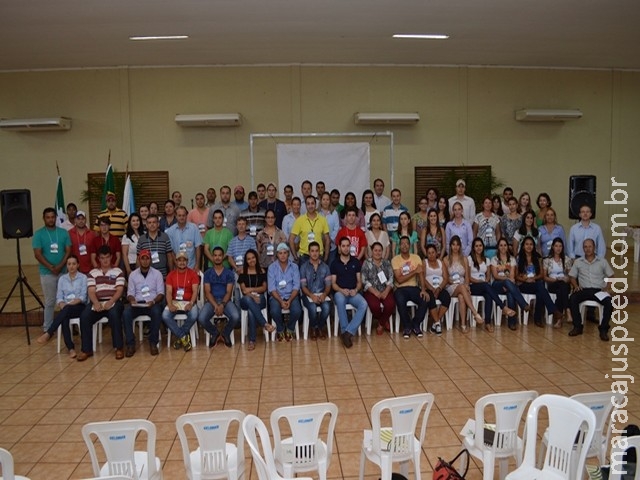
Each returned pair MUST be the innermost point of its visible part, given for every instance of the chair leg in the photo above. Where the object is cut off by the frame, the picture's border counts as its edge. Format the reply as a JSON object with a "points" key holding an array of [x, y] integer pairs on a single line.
{"points": [[488, 465], [363, 459], [503, 466]]}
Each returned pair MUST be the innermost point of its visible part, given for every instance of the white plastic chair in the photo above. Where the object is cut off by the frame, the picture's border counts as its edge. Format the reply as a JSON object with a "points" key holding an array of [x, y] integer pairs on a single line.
{"points": [[451, 313], [72, 322], [509, 408], [304, 451], [601, 405], [617, 467], [215, 457], [261, 451], [180, 318], [140, 319], [476, 300], [528, 297], [497, 312], [568, 420], [591, 303], [385, 445], [118, 440], [244, 324], [412, 306], [6, 460], [97, 332], [305, 320]]}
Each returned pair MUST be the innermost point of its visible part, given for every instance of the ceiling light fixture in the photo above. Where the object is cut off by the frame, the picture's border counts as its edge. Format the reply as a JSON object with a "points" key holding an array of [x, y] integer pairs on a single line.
{"points": [[422, 36], [160, 37]]}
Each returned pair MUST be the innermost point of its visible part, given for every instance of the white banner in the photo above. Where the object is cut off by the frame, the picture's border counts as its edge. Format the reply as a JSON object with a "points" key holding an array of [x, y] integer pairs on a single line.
{"points": [[344, 166]]}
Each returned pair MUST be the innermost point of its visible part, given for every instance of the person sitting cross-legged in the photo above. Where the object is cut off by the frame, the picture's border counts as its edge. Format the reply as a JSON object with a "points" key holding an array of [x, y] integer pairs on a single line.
{"points": [[105, 286], [181, 293], [145, 293], [218, 289]]}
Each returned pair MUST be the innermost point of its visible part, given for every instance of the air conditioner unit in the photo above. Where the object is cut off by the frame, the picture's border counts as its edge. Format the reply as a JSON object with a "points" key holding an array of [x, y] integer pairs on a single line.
{"points": [[386, 118], [542, 115], [210, 120], [35, 124]]}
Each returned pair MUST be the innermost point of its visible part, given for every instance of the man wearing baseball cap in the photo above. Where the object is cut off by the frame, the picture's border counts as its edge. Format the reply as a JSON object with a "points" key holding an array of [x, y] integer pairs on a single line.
{"points": [[283, 284], [117, 216], [238, 194], [145, 293], [468, 204]]}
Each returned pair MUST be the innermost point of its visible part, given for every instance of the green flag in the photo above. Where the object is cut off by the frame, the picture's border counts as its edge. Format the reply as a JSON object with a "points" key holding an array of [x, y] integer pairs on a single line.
{"points": [[109, 186], [59, 206]]}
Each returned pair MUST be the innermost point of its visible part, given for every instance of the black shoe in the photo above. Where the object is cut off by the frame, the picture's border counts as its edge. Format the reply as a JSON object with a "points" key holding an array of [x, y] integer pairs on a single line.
{"points": [[575, 331], [212, 341], [539, 323], [227, 342], [407, 333], [603, 336], [153, 350], [130, 351], [346, 339]]}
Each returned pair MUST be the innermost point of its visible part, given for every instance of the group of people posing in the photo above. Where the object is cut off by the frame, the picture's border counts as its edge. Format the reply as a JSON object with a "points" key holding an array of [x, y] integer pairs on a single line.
{"points": [[276, 256]]}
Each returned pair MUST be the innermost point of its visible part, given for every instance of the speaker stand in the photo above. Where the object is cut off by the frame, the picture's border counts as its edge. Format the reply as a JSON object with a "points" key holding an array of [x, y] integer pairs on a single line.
{"points": [[22, 281]]}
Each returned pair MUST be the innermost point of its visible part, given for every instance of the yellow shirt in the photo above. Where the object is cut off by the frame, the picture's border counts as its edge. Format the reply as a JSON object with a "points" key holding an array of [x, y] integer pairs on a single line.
{"points": [[310, 231], [399, 263]]}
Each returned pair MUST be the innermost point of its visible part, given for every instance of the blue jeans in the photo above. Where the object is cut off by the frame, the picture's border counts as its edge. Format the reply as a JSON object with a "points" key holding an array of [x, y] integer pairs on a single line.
{"points": [[508, 288], [180, 331], [360, 305], [490, 294], [89, 317], [317, 319], [543, 299], [406, 294], [255, 316], [129, 315], [295, 313], [232, 313]]}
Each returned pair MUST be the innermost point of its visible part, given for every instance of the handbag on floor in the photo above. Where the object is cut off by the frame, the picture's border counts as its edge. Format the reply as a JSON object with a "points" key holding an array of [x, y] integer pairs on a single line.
{"points": [[446, 471]]}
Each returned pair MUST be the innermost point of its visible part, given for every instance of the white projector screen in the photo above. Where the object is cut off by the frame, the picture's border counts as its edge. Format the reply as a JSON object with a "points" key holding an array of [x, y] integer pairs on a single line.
{"points": [[344, 166]]}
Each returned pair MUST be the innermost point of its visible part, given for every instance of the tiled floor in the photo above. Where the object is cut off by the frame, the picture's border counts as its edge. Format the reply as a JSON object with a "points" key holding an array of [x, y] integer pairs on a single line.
{"points": [[45, 397]]}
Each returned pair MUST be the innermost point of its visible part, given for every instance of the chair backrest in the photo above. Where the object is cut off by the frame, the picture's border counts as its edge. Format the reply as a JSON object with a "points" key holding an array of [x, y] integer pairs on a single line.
{"points": [[253, 428], [6, 460], [509, 408], [211, 430], [118, 440], [405, 412], [618, 467], [305, 422], [601, 404], [568, 420]]}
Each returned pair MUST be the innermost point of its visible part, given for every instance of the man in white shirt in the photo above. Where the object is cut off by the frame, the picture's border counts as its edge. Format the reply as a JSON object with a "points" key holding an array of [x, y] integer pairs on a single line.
{"points": [[378, 197], [468, 204]]}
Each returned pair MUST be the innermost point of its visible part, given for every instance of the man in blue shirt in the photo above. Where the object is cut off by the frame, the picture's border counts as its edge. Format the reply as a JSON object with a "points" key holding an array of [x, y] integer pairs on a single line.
{"points": [[582, 230], [185, 237], [391, 213], [315, 282], [218, 289], [51, 247], [283, 284], [347, 282]]}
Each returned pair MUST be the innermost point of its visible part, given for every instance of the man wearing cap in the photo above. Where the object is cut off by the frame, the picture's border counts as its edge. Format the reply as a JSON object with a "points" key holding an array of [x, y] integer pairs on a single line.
{"points": [[181, 294], [159, 244], [105, 285], [145, 292], [391, 213], [218, 289], [310, 227], [117, 217], [185, 237], [82, 242], [254, 215], [229, 210], [51, 247], [104, 237], [238, 194], [468, 205], [283, 284], [272, 202]]}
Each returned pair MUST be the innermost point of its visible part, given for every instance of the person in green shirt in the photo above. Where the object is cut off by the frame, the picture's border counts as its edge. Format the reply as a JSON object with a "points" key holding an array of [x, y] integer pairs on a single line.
{"points": [[218, 236]]}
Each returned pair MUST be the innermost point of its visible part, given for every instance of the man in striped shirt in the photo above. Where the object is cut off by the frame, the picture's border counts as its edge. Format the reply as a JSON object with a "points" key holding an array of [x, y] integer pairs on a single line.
{"points": [[116, 216], [105, 286]]}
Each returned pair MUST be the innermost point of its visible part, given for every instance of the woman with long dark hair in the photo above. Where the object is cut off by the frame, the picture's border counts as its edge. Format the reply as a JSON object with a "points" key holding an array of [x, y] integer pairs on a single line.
{"points": [[503, 272], [556, 273], [253, 285], [129, 243]]}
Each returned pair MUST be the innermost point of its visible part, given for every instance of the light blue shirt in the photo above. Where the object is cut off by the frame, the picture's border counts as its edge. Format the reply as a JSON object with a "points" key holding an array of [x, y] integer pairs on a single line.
{"points": [[546, 238], [285, 282], [333, 219], [69, 290], [465, 233], [145, 289], [186, 239], [579, 233], [287, 225], [238, 247]]}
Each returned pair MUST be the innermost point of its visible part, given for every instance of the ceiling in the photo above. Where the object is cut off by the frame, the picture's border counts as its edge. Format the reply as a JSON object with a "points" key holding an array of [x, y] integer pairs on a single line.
{"points": [[43, 34]]}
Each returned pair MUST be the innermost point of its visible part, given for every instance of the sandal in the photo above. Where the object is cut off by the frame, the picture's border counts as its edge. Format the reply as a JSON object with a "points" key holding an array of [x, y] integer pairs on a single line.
{"points": [[478, 318], [508, 312], [464, 328], [269, 327], [252, 346], [489, 327]]}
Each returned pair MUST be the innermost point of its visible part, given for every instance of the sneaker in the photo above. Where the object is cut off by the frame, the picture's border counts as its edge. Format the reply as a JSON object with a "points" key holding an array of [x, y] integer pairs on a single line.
{"points": [[177, 345], [186, 342], [280, 336], [436, 329], [407, 333], [417, 332], [288, 335]]}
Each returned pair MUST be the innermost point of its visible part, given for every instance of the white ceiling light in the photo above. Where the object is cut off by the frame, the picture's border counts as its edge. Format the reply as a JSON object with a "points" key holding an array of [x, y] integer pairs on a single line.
{"points": [[209, 120], [160, 37], [422, 36], [361, 118], [35, 124], [547, 115]]}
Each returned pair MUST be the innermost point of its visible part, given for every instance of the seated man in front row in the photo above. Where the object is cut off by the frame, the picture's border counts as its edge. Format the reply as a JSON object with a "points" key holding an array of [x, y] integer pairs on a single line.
{"points": [[105, 286], [218, 289], [145, 293], [587, 276]]}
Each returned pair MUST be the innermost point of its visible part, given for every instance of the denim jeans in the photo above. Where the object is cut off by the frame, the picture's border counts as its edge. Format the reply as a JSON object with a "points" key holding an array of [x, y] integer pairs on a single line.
{"points": [[490, 295], [406, 294], [168, 318], [360, 305], [89, 317], [62, 318], [543, 299], [295, 313], [129, 315], [230, 311], [317, 319], [255, 316]]}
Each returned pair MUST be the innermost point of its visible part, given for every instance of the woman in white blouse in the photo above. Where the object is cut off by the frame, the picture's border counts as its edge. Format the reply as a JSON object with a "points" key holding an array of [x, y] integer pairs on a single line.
{"points": [[437, 279], [556, 269]]}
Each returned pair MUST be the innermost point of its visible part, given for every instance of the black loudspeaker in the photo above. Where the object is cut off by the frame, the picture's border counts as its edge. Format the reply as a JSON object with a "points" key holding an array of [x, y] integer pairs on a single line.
{"points": [[16, 213], [582, 191]]}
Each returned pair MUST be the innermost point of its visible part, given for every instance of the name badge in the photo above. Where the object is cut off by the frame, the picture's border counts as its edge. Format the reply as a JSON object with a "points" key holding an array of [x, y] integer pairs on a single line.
{"points": [[202, 228], [224, 222], [145, 290], [549, 243], [501, 273], [70, 297], [82, 249], [239, 260], [155, 257], [270, 250], [481, 276], [183, 247], [53, 247], [282, 284], [382, 277], [180, 294], [489, 232], [352, 250], [436, 281], [455, 278], [311, 237], [531, 271], [406, 269], [559, 275], [252, 230]]}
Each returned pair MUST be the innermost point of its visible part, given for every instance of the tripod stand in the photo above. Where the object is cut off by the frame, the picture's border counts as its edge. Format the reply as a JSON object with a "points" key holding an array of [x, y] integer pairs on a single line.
{"points": [[22, 281]]}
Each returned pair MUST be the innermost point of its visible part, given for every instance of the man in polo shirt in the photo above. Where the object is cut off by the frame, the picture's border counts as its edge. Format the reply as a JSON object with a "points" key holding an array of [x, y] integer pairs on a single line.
{"points": [[254, 215], [239, 245], [185, 237], [181, 292], [159, 244], [588, 276], [283, 284], [468, 204], [272, 202], [230, 211], [582, 230], [217, 236], [117, 217], [315, 282], [145, 292], [51, 247], [218, 289], [105, 286], [82, 242], [347, 283], [309, 227], [105, 237], [391, 213]]}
